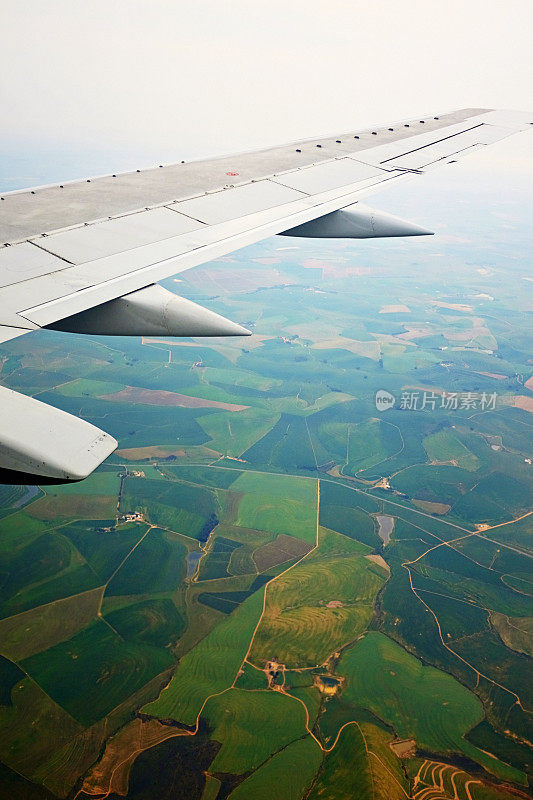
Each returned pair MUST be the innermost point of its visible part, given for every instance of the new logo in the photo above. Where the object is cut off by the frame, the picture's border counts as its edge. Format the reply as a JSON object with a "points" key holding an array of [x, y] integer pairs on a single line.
{"points": [[384, 400]]}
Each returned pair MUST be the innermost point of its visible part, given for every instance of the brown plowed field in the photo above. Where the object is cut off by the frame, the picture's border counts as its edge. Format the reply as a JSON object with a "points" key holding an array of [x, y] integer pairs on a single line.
{"points": [[282, 549], [111, 773], [526, 403], [160, 397]]}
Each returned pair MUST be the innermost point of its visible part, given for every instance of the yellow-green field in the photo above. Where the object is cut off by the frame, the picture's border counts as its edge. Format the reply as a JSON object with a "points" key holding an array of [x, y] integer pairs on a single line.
{"points": [[42, 627], [316, 608], [232, 433]]}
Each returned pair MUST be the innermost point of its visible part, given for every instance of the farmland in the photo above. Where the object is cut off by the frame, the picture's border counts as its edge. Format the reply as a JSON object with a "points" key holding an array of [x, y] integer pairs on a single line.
{"points": [[242, 722], [219, 606], [292, 768], [382, 677], [209, 668], [316, 608]]}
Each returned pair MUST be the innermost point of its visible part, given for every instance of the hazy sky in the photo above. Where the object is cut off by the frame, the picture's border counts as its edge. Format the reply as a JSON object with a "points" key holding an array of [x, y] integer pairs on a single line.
{"points": [[165, 79]]}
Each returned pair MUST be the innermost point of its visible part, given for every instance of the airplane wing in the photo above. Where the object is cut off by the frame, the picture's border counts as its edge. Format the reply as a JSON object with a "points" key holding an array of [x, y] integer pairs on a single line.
{"points": [[85, 256]]}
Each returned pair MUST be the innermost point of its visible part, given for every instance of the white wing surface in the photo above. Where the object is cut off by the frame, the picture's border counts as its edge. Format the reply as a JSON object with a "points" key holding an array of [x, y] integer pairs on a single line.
{"points": [[86, 256]]}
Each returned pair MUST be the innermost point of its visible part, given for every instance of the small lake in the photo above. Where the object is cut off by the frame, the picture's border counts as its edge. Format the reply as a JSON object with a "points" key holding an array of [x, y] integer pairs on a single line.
{"points": [[192, 562], [386, 525], [329, 680]]}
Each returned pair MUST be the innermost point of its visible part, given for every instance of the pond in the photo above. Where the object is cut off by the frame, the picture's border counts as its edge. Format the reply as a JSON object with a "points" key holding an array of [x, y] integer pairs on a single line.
{"points": [[386, 524], [192, 562]]}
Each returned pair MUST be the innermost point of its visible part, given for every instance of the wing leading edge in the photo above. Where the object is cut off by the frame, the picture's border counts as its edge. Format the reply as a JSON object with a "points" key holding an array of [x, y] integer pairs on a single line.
{"points": [[86, 256]]}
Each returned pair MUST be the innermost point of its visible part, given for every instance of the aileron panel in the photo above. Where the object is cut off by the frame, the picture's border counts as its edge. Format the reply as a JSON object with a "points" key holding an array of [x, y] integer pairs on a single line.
{"points": [[333, 175]]}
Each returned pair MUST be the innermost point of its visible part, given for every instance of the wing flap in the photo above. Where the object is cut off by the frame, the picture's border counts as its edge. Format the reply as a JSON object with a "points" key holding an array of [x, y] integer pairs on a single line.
{"points": [[380, 154], [24, 261], [118, 235], [423, 149], [240, 201]]}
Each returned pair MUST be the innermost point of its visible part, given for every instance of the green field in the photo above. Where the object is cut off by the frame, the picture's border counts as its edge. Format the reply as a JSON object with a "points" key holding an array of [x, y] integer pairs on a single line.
{"points": [[291, 771], [102, 482], [157, 622], [85, 387], [17, 530], [344, 510], [47, 568], [59, 507], [110, 668], [369, 444], [232, 433], [445, 446], [210, 667], [213, 477], [104, 551], [39, 628], [274, 503], [418, 702], [227, 601], [215, 564], [181, 507], [32, 729], [157, 564], [252, 725], [348, 771]]}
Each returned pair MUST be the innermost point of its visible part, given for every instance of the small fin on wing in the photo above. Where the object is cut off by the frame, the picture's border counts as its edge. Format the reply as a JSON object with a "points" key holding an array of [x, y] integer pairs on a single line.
{"points": [[153, 311], [357, 222]]}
